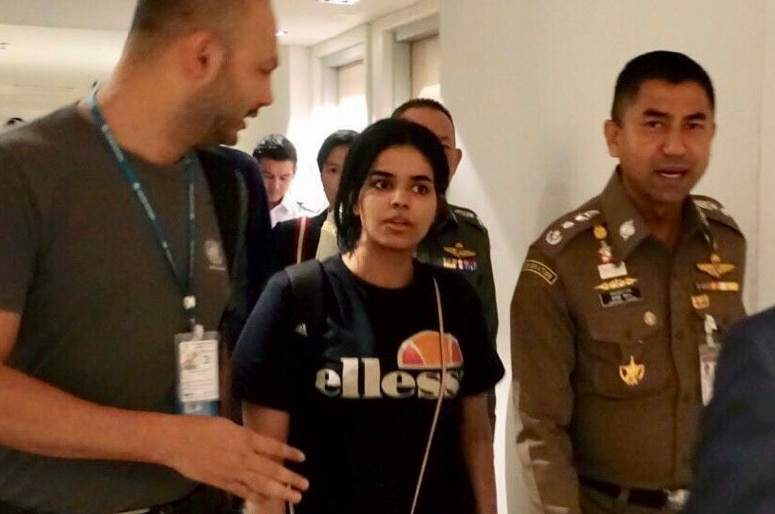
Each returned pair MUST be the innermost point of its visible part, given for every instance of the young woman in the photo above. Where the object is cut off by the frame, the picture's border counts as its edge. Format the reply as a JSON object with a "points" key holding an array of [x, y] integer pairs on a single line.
{"points": [[392, 417]]}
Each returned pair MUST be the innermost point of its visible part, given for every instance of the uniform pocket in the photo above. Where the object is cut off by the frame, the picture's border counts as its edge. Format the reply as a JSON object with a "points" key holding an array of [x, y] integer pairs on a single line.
{"points": [[629, 359]]}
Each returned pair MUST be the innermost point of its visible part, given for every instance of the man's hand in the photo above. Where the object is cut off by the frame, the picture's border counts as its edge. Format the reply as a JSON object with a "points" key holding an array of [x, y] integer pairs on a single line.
{"points": [[220, 453]]}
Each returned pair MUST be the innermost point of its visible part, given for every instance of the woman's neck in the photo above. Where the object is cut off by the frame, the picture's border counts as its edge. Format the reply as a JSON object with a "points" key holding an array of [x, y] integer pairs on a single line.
{"points": [[380, 267]]}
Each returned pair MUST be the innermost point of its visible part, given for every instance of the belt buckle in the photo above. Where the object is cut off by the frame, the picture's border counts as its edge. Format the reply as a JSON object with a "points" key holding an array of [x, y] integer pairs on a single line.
{"points": [[676, 499]]}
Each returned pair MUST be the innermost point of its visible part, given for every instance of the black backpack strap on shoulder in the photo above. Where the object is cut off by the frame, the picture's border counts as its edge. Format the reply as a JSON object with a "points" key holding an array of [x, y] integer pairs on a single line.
{"points": [[307, 281], [227, 197]]}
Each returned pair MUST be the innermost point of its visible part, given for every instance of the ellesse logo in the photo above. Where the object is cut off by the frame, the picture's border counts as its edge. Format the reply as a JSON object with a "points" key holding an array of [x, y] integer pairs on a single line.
{"points": [[418, 376], [423, 351]]}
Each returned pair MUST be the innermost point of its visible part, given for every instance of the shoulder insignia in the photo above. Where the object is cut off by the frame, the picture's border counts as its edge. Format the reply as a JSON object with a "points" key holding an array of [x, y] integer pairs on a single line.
{"points": [[540, 269], [459, 251], [466, 214], [306, 209], [714, 210], [557, 235]]}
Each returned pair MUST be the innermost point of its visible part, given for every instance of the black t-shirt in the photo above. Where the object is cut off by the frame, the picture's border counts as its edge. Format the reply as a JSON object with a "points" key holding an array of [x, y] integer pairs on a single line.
{"points": [[361, 396]]}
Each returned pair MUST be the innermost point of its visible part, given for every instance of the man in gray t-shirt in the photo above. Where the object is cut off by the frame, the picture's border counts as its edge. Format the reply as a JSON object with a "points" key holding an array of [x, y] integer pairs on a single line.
{"points": [[111, 247]]}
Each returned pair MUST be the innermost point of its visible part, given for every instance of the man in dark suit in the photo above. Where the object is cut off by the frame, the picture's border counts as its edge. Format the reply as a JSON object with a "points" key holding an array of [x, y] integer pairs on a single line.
{"points": [[735, 463]]}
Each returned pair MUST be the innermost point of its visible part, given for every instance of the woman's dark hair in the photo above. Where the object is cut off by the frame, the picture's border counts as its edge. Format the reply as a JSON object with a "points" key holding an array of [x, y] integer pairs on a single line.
{"points": [[377, 138]]}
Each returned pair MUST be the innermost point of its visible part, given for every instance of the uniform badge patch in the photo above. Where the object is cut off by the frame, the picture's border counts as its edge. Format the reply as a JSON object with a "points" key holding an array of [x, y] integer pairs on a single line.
{"points": [[587, 215], [611, 270], [632, 373], [214, 254], [553, 237], [620, 297], [627, 229], [463, 259], [700, 301], [706, 204], [459, 251], [715, 268], [731, 287], [540, 269], [617, 283]]}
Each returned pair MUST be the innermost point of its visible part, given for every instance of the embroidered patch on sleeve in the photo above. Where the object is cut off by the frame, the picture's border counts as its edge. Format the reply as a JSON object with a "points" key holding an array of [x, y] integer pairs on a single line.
{"points": [[540, 269]]}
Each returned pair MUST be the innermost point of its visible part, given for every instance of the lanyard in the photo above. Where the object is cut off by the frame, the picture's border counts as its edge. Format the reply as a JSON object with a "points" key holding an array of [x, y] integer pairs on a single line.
{"points": [[186, 284]]}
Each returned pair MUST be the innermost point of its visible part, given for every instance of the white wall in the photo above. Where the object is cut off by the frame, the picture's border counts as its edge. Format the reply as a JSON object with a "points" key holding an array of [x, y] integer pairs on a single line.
{"points": [[765, 253], [530, 85], [291, 114], [33, 83]]}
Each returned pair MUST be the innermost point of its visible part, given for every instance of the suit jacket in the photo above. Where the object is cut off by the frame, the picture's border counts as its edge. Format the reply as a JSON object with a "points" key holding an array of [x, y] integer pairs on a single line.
{"points": [[735, 461], [285, 240]]}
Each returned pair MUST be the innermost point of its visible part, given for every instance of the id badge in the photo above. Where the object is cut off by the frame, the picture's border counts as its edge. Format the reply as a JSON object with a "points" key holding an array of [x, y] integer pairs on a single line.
{"points": [[708, 359], [197, 372]]}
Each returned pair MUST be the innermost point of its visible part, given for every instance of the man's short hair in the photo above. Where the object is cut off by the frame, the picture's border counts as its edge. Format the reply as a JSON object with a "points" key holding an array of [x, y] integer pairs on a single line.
{"points": [[422, 103], [164, 20], [276, 147], [338, 138], [673, 67]]}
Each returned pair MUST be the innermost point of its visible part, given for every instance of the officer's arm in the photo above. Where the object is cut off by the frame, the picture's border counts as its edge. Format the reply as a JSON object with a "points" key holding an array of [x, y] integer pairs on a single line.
{"points": [[486, 290], [274, 424], [543, 358], [485, 287], [476, 438], [736, 455]]}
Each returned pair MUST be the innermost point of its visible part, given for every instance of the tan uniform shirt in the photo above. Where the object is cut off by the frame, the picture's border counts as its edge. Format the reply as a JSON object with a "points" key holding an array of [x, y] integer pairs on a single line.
{"points": [[606, 357]]}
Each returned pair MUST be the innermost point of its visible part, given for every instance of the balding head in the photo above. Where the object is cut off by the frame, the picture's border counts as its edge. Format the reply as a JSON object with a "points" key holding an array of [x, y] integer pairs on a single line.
{"points": [[156, 23]]}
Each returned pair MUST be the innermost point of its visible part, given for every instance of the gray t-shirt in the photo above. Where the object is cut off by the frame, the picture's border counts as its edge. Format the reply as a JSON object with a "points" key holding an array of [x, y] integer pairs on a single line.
{"points": [[99, 303]]}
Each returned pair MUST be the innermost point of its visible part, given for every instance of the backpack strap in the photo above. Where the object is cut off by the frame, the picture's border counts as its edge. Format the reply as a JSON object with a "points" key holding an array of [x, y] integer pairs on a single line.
{"points": [[225, 188], [307, 290], [302, 227]]}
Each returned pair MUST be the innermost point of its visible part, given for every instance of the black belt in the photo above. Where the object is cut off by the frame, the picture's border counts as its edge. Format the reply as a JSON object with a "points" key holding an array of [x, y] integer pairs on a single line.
{"points": [[650, 498]]}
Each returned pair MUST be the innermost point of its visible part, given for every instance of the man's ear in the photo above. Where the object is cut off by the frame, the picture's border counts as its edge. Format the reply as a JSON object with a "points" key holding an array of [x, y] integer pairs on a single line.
{"points": [[201, 56], [458, 156], [611, 130]]}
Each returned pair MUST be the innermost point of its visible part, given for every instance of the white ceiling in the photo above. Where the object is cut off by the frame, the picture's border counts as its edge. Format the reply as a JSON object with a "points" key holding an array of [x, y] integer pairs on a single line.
{"points": [[307, 21], [56, 48]]}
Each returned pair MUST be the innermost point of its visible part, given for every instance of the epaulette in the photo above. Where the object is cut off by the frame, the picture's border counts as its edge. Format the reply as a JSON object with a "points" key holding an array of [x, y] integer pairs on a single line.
{"points": [[714, 210], [567, 227], [311, 212], [463, 214]]}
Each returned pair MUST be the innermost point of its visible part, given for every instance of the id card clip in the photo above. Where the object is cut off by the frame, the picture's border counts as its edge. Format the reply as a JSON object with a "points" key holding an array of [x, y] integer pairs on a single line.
{"points": [[196, 355]]}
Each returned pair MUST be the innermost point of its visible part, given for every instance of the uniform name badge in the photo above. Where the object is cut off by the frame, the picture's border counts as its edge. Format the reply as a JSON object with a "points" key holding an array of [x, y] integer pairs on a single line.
{"points": [[196, 355], [709, 352]]}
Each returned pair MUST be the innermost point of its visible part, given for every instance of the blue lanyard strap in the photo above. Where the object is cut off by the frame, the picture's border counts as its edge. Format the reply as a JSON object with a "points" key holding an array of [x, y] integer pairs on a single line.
{"points": [[186, 284]]}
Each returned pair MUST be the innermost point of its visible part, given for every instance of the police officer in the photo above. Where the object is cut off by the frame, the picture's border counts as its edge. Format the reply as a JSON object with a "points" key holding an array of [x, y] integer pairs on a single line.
{"points": [[458, 240], [621, 304]]}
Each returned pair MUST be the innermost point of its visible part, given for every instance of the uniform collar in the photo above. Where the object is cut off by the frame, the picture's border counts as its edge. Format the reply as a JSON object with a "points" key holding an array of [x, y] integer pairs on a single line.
{"points": [[286, 204], [627, 228], [445, 215]]}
